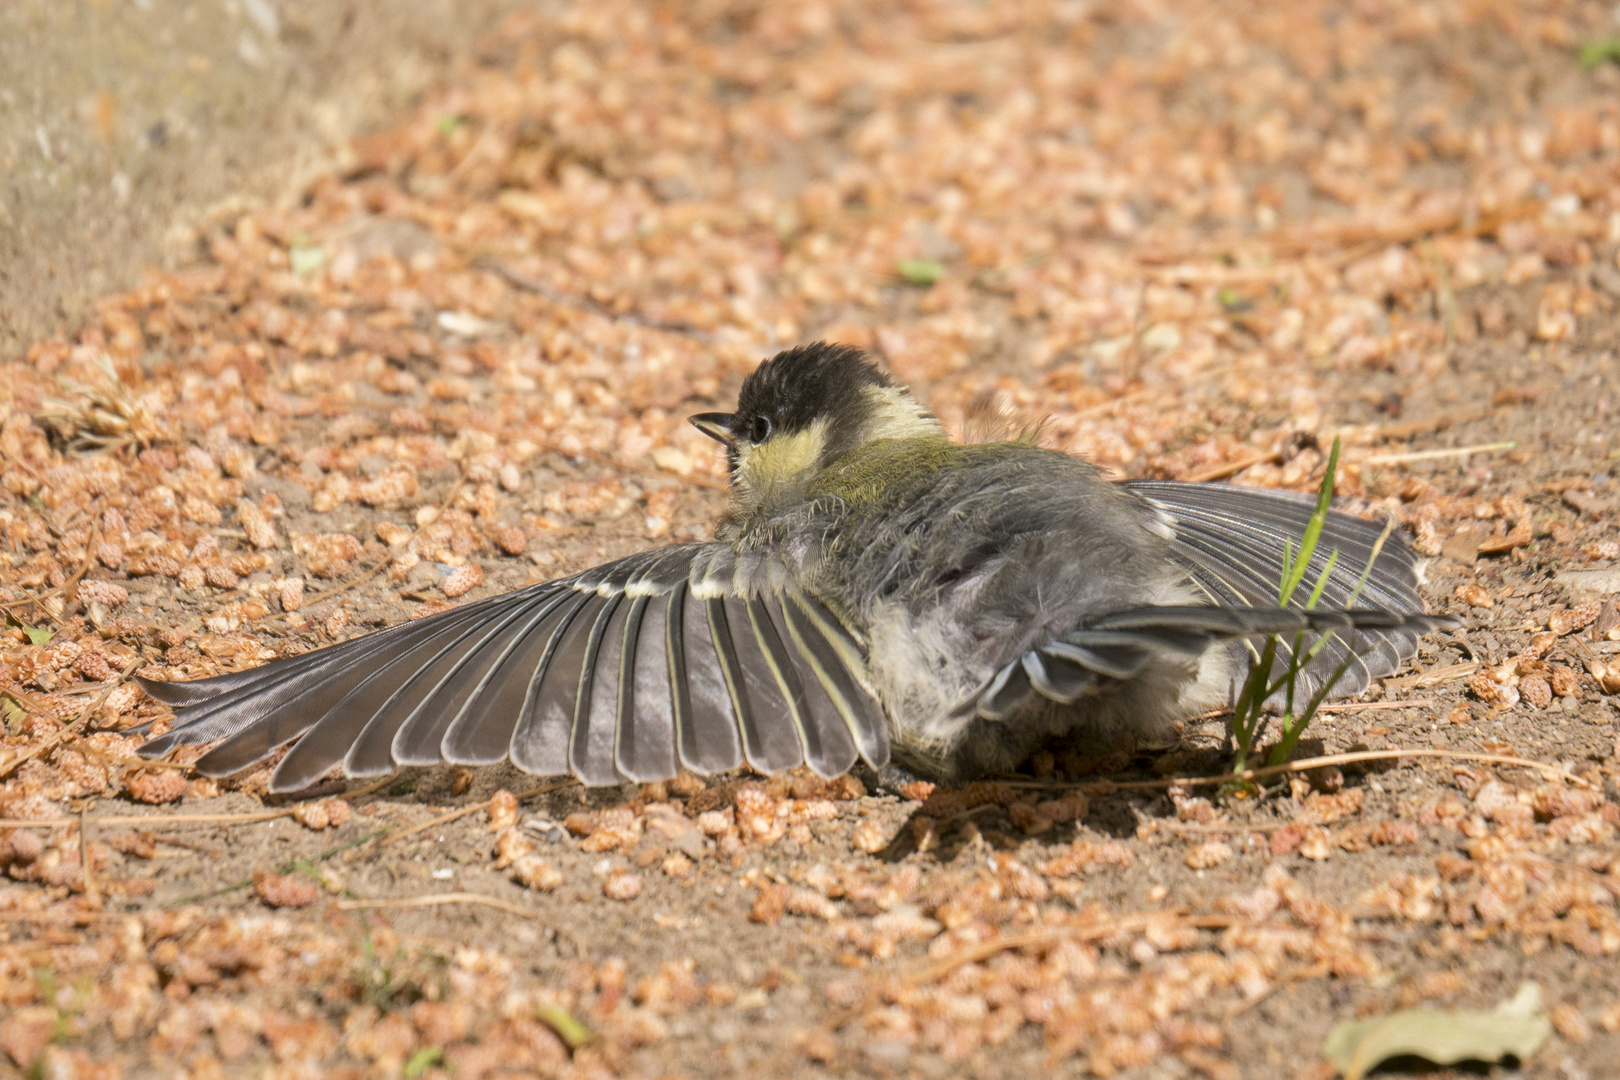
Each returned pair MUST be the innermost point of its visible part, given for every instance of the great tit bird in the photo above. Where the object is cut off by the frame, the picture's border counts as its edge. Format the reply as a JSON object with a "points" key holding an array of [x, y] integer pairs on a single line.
{"points": [[877, 592]]}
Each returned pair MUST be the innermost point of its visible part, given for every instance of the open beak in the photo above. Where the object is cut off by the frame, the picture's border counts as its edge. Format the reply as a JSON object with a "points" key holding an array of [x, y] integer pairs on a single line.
{"points": [[716, 425]]}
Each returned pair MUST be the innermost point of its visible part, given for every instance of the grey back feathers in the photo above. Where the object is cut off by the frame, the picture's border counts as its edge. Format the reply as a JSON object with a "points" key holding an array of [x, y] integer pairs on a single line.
{"points": [[903, 597]]}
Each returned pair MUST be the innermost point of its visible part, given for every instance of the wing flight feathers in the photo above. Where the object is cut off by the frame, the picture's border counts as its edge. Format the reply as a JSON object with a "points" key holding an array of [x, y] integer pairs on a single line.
{"points": [[481, 731], [629, 672], [596, 705], [708, 729], [1233, 541]]}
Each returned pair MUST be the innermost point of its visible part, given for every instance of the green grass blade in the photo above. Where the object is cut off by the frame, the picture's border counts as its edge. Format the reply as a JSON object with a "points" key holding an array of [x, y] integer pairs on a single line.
{"points": [[1248, 712], [1322, 580], [1372, 560], [1313, 530]]}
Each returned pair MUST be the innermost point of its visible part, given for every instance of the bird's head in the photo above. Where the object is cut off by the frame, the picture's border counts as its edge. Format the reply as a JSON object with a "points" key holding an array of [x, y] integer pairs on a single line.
{"points": [[801, 410]]}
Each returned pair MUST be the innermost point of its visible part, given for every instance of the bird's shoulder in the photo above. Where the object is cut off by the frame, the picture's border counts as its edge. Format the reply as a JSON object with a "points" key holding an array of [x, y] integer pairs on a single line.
{"points": [[888, 471]]}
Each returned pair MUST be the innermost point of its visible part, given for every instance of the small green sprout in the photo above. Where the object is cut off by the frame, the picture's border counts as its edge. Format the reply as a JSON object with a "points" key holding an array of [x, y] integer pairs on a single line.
{"points": [[919, 272], [1600, 51], [421, 1061]]}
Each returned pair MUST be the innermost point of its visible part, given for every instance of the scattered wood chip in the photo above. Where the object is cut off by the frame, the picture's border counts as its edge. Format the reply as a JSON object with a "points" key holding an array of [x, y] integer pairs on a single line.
{"points": [[1586, 503], [285, 890], [1501, 545], [1590, 581]]}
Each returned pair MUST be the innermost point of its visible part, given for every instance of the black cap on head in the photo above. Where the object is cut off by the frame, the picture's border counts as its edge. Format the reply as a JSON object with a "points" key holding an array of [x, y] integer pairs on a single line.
{"points": [[794, 389]]}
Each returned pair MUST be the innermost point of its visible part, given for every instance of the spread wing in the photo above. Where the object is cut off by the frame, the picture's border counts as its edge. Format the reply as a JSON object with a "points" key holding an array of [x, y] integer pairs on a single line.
{"points": [[686, 657], [1232, 540]]}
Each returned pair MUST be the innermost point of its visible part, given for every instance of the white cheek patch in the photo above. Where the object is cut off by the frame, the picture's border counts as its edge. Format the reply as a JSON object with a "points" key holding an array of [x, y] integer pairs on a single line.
{"points": [[895, 414]]}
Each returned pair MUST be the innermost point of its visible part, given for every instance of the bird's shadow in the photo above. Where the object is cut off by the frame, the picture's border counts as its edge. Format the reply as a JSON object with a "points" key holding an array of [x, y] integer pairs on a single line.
{"points": [[1116, 814]]}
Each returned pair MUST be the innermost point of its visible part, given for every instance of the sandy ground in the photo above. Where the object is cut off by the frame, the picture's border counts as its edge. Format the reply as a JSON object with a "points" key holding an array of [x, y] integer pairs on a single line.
{"points": [[1203, 241], [129, 130]]}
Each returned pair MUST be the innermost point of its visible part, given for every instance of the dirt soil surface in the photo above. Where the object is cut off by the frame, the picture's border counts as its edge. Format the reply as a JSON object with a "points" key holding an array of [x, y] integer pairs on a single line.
{"points": [[129, 131], [1204, 239]]}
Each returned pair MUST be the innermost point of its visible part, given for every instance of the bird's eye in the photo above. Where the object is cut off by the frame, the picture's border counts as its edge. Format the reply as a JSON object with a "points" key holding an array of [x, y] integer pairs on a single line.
{"points": [[759, 430]]}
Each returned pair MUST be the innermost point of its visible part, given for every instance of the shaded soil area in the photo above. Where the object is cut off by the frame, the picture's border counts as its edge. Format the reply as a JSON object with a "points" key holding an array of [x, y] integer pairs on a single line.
{"points": [[1203, 242]]}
